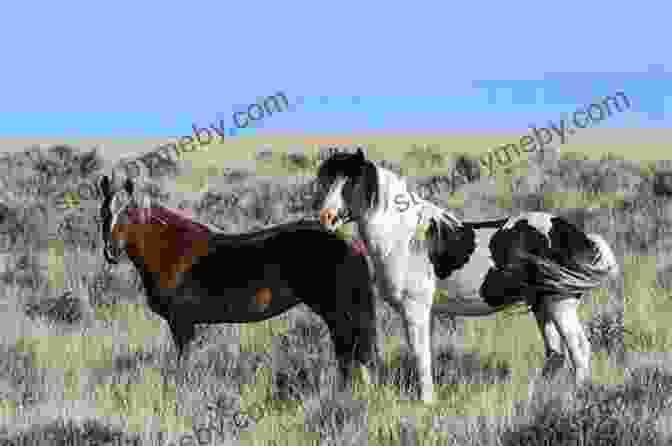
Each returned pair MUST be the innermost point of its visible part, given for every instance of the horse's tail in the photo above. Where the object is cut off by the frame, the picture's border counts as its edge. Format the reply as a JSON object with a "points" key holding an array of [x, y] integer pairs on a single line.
{"points": [[584, 274]]}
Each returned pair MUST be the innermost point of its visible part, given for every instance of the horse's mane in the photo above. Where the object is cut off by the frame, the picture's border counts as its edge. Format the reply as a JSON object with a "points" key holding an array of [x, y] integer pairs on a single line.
{"points": [[380, 181], [351, 166], [180, 220]]}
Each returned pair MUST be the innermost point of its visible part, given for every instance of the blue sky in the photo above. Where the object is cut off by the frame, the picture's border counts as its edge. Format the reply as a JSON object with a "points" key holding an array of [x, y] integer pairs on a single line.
{"points": [[149, 68]]}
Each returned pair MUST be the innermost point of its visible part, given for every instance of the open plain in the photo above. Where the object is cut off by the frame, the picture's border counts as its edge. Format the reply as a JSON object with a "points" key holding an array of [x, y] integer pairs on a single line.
{"points": [[83, 358]]}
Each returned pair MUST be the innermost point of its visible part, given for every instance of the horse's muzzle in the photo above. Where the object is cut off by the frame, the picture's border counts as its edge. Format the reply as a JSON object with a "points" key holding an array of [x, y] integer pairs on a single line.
{"points": [[329, 217]]}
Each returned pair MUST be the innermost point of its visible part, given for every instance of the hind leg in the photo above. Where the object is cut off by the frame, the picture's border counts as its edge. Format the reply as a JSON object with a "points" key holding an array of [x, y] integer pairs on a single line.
{"points": [[367, 351], [564, 315], [553, 344], [354, 330], [371, 356], [182, 332], [354, 336], [345, 344], [366, 355]]}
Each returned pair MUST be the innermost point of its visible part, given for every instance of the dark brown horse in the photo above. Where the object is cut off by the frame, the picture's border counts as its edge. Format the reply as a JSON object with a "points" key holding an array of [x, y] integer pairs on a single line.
{"points": [[194, 273]]}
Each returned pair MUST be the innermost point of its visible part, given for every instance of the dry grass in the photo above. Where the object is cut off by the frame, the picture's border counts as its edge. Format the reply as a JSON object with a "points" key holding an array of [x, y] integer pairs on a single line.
{"points": [[82, 357]]}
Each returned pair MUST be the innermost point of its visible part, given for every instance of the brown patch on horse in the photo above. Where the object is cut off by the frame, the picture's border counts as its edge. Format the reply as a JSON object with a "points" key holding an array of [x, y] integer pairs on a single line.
{"points": [[164, 249], [263, 297]]}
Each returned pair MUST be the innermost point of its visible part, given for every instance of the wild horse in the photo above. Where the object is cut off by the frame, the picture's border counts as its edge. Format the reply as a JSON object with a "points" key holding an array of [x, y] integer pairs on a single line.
{"points": [[195, 273], [535, 257]]}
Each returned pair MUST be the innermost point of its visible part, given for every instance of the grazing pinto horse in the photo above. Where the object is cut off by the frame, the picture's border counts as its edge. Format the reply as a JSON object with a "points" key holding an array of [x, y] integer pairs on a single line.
{"points": [[535, 258], [194, 273]]}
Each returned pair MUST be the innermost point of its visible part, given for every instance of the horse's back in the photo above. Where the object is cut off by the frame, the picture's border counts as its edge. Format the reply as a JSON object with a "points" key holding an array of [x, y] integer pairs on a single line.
{"points": [[295, 262], [250, 238], [302, 253]]}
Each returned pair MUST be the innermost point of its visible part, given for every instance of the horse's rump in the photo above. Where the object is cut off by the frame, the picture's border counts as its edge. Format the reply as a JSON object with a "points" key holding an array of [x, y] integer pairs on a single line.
{"points": [[565, 263]]}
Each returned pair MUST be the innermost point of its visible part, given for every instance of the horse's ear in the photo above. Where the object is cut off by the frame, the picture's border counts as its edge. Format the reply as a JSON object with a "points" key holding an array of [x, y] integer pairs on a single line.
{"points": [[104, 185], [360, 154], [128, 186]]}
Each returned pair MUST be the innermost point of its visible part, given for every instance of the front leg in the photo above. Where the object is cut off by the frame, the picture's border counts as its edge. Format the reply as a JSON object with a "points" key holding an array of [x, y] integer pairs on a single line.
{"points": [[416, 318], [405, 288]]}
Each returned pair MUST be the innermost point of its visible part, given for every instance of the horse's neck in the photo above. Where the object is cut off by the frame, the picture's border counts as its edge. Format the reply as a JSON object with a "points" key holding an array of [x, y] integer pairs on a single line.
{"points": [[389, 231], [165, 250], [389, 228]]}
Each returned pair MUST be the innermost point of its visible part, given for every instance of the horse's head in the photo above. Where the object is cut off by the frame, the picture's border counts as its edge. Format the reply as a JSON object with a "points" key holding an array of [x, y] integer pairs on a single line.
{"points": [[118, 213], [350, 184]]}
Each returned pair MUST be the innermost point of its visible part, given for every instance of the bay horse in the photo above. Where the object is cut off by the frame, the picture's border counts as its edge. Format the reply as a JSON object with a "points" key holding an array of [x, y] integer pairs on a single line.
{"points": [[536, 258], [195, 273]]}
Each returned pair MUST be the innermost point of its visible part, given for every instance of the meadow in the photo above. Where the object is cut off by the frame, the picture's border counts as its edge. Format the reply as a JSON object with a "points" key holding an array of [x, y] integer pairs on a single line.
{"points": [[83, 359]]}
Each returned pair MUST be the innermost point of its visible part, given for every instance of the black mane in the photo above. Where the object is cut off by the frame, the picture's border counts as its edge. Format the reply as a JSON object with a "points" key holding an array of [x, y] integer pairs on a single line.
{"points": [[351, 166]]}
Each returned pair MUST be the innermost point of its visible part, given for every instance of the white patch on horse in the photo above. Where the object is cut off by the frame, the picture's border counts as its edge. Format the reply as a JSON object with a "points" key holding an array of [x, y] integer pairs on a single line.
{"points": [[406, 279], [541, 221], [466, 281]]}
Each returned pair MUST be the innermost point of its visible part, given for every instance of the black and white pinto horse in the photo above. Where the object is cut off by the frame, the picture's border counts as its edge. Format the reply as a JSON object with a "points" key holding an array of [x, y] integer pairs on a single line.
{"points": [[535, 257], [195, 273]]}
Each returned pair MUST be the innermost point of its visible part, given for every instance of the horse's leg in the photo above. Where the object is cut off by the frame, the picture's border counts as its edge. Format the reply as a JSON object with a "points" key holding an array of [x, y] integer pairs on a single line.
{"points": [[344, 340], [416, 316], [340, 318], [366, 351], [553, 345], [183, 331], [357, 350], [566, 320]]}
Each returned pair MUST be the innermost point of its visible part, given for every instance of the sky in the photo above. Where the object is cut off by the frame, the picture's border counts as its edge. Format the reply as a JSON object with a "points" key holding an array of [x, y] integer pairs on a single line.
{"points": [[153, 69]]}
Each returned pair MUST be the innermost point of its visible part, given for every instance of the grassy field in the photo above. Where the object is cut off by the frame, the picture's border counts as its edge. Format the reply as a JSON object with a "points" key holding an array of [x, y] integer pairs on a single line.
{"points": [[82, 357]]}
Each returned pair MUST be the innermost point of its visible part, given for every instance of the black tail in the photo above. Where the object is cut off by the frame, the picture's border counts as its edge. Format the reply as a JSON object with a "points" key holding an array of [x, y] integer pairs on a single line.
{"points": [[582, 274]]}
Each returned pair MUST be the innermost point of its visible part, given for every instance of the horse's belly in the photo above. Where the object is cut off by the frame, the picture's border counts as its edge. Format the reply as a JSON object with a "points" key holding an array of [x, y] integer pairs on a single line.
{"points": [[256, 302], [466, 282]]}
